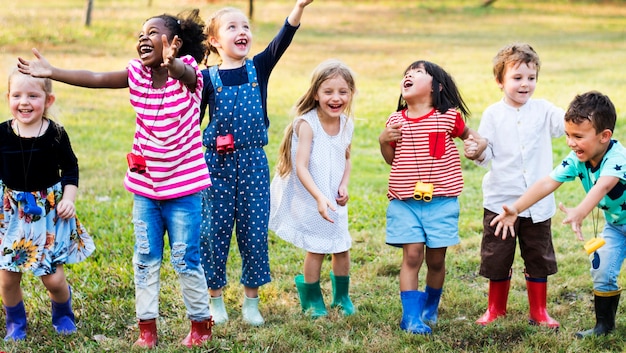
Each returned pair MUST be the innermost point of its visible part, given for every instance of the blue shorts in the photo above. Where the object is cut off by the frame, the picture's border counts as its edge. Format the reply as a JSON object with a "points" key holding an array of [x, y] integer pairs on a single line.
{"points": [[435, 223]]}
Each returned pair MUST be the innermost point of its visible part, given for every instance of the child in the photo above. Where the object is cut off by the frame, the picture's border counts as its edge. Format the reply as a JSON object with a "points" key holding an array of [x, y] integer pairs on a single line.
{"points": [[39, 231], [424, 183], [236, 93], [166, 169], [518, 158], [310, 190], [599, 162]]}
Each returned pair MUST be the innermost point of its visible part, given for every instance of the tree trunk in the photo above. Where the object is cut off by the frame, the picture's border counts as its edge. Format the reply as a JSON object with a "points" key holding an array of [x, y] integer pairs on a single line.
{"points": [[251, 10], [88, 13]]}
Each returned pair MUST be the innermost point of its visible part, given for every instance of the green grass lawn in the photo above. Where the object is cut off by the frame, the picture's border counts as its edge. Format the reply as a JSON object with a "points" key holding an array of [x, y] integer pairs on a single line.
{"points": [[582, 45]]}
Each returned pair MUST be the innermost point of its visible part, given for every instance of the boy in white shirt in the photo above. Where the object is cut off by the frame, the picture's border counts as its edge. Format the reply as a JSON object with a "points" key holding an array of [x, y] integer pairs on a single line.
{"points": [[520, 131]]}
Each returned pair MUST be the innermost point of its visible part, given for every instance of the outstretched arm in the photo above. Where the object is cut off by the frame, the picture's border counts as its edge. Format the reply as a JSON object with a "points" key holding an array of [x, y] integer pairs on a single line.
{"points": [[505, 221], [83, 78], [296, 13], [576, 215]]}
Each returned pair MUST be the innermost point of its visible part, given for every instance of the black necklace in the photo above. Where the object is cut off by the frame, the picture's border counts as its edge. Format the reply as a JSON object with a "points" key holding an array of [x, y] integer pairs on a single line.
{"points": [[26, 166]]}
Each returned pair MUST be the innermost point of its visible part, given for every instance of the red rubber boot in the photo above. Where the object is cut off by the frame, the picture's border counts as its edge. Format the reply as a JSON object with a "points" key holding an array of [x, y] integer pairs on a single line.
{"points": [[498, 297], [200, 333], [537, 293], [147, 334]]}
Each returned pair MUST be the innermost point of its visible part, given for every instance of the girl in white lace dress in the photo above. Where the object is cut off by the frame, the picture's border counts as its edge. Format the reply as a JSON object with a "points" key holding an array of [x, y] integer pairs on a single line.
{"points": [[310, 190]]}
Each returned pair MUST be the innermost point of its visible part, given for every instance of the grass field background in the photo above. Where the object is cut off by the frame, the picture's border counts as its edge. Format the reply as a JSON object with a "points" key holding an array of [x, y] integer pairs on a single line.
{"points": [[582, 45]]}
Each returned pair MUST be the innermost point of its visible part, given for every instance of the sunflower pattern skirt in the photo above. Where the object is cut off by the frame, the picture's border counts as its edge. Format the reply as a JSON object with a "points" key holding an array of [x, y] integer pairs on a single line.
{"points": [[38, 240]]}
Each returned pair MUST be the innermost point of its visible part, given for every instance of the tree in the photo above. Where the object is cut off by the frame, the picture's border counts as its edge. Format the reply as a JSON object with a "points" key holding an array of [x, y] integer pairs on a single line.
{"points": [[88, 13]]}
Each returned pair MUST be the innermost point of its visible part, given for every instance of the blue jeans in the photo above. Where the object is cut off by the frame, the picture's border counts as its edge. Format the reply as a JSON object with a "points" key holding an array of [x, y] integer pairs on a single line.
{"points": [[607, 261], [180, 217]]}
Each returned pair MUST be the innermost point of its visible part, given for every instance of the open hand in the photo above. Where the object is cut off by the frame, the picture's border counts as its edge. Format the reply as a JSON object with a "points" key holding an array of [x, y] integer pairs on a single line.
{"points": [[36, 68], [505, 222], [574, 219]]}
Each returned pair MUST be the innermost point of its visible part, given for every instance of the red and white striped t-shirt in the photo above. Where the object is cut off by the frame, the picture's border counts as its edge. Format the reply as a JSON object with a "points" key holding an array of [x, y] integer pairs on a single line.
{"points": [[167, 135], [426, 153]]}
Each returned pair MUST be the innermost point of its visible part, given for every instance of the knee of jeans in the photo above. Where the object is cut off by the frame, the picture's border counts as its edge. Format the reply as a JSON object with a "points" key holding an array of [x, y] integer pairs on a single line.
{"points": [[141, 237], [142, 274], [179, 258]]}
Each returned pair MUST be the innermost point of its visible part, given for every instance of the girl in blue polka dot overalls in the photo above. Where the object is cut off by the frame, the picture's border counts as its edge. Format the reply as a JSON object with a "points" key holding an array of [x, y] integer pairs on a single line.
{"points": [[236, 93]]}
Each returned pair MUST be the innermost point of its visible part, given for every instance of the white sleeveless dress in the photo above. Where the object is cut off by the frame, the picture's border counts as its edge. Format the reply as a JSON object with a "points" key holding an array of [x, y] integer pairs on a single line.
{"points": [[293, 211]]}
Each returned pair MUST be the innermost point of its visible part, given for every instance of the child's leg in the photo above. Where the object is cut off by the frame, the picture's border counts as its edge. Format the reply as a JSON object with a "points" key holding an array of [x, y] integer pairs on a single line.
{"points": [[435, 276], [412, 300], [412, 259], [313, 267], [496, 260], [183, 229], [340, 278], [341, 263], [57, 285], [308, 286], [436, 264], [11, 292], [149, 231], [535, 242], [606, 264], [10, 287], [63, 319]]}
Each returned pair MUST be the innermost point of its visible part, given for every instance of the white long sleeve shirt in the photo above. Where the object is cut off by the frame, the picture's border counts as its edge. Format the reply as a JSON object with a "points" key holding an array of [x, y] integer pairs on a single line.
{"points": [[519, 153]]}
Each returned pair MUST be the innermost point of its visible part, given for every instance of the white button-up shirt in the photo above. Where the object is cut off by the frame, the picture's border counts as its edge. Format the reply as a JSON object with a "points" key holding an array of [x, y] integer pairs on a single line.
{"points": [[520, 152]]}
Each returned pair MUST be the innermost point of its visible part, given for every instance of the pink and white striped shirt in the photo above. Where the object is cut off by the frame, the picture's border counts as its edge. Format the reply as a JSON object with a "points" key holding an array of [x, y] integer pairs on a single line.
{"points": [[167, 135], [426, 153]]}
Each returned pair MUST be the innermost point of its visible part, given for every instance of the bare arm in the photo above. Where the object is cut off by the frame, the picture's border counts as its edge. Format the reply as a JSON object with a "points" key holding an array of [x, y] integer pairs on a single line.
{"points": [[474, 144], [296, 13], [504, 222], [303, 156], [392, 133], [83, 78], [176, 67], [65, 208], [576, 215], [342, 198]]}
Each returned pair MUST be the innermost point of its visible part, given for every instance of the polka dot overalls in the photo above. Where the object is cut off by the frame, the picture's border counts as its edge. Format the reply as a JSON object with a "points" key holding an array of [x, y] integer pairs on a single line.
{"points": [[239, 196]]}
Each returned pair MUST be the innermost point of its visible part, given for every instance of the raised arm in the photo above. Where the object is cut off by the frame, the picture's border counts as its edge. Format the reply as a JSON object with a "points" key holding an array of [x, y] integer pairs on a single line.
{"points": [[83, 78], [296, 13]]}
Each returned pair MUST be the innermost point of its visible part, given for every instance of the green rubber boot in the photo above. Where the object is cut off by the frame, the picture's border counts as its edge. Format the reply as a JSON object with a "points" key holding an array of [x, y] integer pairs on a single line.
{"points": [[311, 298], [341, 298]]}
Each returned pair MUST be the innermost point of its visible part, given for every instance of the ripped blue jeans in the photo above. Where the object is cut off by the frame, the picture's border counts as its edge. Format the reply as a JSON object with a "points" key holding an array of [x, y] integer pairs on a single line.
{"points": [[180, 218]]}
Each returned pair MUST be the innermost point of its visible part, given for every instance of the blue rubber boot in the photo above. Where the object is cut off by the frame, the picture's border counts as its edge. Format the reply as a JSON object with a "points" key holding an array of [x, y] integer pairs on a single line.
{"points": [[15, 322], [311, 298], [63, 319], [412, 306], [429, 315], [341, 297]]}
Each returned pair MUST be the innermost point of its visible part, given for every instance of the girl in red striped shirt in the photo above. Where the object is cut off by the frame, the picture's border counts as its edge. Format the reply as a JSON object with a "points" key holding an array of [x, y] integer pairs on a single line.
{"points": [[424, 183]]}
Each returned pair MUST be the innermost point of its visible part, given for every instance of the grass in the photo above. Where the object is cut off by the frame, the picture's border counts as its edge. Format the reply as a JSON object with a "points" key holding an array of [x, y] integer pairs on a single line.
{"points": [[581, 44]]}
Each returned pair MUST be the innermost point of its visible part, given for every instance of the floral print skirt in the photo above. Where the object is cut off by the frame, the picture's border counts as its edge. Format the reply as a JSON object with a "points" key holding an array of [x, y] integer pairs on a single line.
{"points": [[32, 236]]}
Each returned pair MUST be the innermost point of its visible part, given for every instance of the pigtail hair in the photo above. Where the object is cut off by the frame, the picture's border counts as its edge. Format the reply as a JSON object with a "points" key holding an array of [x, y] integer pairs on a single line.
{"points": [[284, 163], [192, 34]]}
